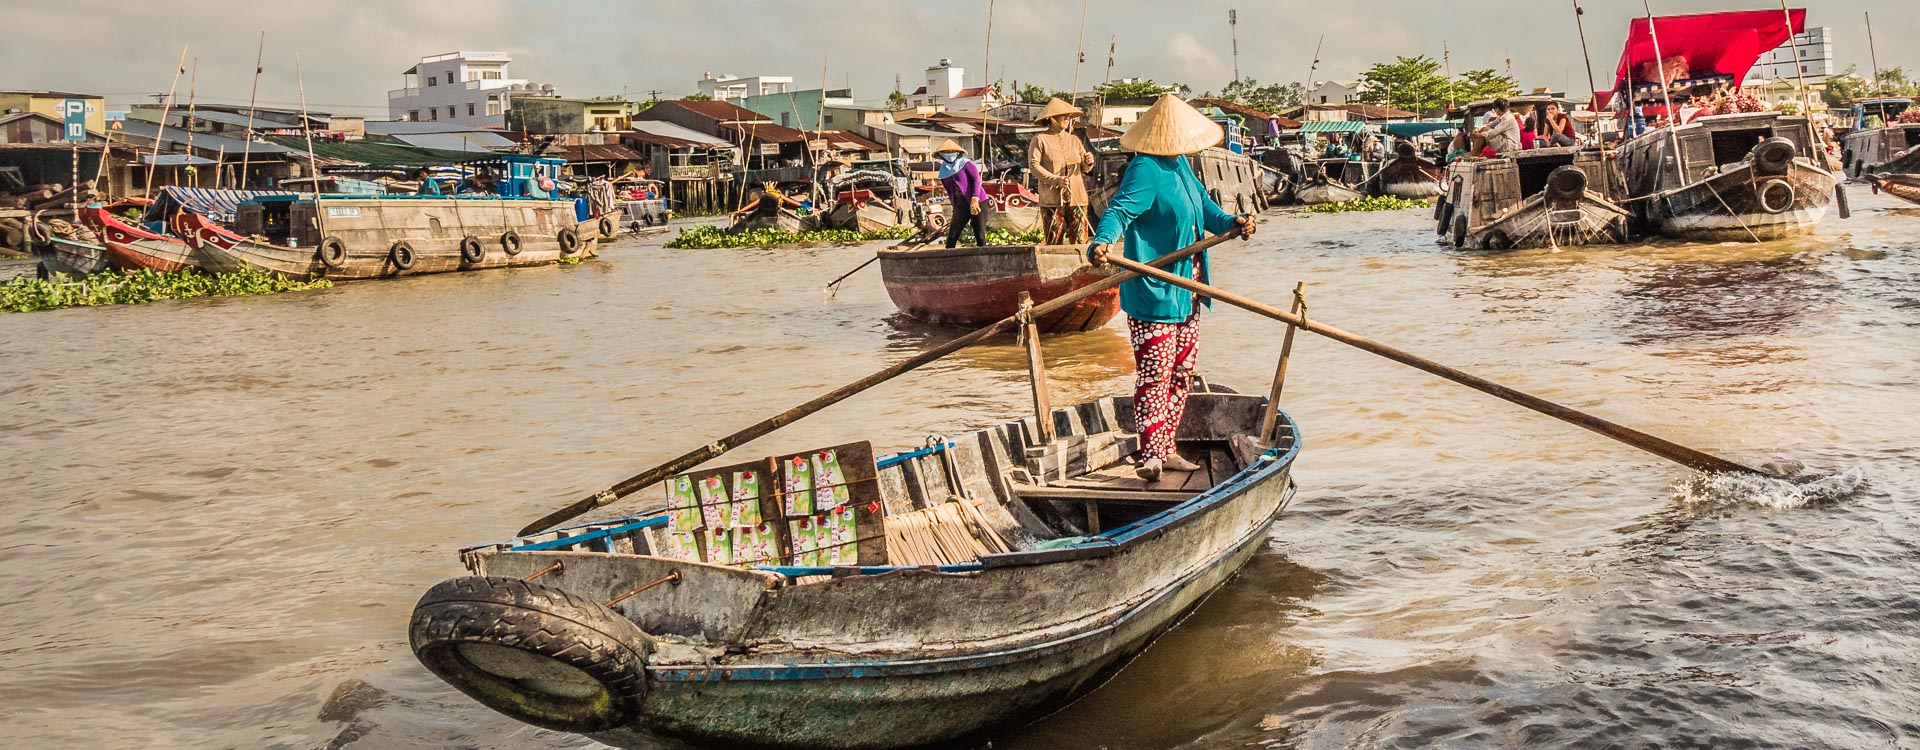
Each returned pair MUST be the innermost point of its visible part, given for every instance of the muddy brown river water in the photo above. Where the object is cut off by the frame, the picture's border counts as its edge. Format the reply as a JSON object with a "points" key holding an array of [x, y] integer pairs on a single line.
{"points": [[222, 511]]}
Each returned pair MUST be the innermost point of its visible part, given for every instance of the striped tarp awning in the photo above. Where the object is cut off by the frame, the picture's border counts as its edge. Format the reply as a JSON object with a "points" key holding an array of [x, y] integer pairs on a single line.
{"points": [[1324, 126], [218, 205]]}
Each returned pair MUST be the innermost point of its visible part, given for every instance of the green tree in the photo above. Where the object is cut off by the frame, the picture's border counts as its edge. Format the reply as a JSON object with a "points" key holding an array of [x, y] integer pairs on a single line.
{"points": [[1475, 85], [1272, 97], [1034, 94], [696, 98], [1844, 88], [1410, 83], [896, 101], [1146, 89], [1894, 82]]}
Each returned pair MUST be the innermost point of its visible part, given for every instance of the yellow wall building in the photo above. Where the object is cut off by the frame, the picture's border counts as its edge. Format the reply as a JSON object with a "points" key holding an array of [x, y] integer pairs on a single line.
{"points": [[48, 103]]}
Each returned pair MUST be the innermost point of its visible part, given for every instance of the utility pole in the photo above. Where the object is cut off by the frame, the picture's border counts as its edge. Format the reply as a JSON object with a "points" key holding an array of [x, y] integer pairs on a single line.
{"points": [[1233, 29]]}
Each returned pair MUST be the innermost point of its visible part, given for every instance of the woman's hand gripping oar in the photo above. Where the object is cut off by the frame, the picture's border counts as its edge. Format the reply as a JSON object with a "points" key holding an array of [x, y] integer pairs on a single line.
{"points": [[1661, 447], [711, 450]]}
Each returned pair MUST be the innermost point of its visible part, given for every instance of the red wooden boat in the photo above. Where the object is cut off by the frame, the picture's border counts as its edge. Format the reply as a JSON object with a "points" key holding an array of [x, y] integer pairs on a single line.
{"points": [[1906, 187], [974, 286], [131, 247]]}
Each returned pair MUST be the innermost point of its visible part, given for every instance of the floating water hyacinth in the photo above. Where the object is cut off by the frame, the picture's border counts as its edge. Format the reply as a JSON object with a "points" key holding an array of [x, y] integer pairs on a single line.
{"points": [[1776, 493]]}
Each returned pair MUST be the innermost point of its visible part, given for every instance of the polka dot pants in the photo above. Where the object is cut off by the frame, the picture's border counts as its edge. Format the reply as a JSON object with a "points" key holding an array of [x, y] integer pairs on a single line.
{"points": [[1163, 358]]}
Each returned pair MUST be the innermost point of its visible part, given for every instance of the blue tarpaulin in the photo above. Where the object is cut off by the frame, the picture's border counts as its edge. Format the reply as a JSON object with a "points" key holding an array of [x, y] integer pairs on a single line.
{"points": [[218, 205], [1411, 129]]}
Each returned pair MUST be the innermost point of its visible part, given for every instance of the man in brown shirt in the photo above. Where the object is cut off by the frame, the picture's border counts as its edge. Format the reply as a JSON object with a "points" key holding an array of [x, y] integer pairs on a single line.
{"points": [[1059, 161]]}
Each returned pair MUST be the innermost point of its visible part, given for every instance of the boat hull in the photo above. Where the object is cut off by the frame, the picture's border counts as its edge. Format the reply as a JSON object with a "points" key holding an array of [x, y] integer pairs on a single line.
{"points": [[131, 248], [1740, 205], [224, 250], [1543, 222], [1410, 177], [76, 256], [1316, 193], [1904, 187], [971, 287]]}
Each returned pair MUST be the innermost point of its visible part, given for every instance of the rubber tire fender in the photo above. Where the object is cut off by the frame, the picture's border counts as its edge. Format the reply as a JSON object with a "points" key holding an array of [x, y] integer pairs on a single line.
{"points": [[1566, 183], [510, 242], [401, 255], [1772, 156], [472, 250], [331, 251], [513, 614], [1772, 187], [1459, 231], [569, 240], [1498, 240], [607, 227], [1840, 201]]}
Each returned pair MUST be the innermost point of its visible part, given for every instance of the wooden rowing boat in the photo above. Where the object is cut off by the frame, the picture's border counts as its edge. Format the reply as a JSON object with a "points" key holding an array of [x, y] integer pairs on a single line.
{"points": [[132, 248], [1539, 198], [1903, 186], [974, 585], [72, 250], [973, 286]]}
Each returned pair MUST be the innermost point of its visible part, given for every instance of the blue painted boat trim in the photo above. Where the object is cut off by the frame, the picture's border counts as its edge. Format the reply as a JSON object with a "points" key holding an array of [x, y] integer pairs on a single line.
{"points": [[796, 571], [945, 664], [569, 541], [899, 458]]}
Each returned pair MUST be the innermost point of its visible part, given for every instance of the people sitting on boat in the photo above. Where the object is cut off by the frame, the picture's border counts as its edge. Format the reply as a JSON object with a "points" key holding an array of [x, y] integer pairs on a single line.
{"points": [[1157, 209], [1501, 133], [965, 192], [483, 181], [1335, 149], [1559, 127], [427, 184], [1526, 134], [1456, 148], [769, 201]]}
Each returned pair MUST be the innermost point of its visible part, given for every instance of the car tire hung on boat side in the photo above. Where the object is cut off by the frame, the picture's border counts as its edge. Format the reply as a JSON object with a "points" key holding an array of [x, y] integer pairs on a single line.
{"points": [[620, 630]]}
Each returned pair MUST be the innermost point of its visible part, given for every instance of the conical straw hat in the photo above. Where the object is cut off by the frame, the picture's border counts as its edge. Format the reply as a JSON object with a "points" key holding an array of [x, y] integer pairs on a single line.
{"points": [[949, 145], [1171, 127], [1058, 108]]}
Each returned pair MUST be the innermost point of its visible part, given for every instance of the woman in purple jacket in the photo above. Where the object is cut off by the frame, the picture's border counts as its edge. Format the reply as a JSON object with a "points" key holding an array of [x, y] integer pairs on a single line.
{"points": [[961, 177]]}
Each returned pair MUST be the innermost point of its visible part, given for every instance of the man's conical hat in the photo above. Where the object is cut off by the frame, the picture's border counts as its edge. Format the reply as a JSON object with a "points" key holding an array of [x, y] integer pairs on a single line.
{"points": [[949, 145], [1171, 127], [1058, 108]]}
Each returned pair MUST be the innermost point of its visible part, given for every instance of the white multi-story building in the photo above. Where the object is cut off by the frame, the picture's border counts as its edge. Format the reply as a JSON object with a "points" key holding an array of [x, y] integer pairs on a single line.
{"points": [[946, 88], [1334, 92], [729, 86], [1816, 58], [461, 88]]}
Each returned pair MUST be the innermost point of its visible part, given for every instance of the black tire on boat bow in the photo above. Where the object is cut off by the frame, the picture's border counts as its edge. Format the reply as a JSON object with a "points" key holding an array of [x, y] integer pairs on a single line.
{"points": [[401, 255], [510, 242], [1567, 183], [1772, 156], [471, 250], [537, 654], [569, 240], [332, 252]]}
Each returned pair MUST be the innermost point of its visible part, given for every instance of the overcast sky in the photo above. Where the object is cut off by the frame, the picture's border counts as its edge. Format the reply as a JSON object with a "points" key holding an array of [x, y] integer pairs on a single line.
{"points": [[353, 50]]}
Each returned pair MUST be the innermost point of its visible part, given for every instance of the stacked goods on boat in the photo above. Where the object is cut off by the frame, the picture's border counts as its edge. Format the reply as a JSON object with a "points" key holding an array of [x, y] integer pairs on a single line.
{"points": [[1883, 137], [1747, 176], [1543, 197], [867, 196], [973, 286], [828, 600]]}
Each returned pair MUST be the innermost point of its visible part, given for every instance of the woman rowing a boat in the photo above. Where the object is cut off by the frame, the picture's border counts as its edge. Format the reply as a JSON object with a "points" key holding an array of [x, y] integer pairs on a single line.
{"points": [[1159, 208]]}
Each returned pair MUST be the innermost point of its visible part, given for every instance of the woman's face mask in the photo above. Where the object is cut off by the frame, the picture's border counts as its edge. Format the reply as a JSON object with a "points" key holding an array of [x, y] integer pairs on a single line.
{"points": [[948, 156]]}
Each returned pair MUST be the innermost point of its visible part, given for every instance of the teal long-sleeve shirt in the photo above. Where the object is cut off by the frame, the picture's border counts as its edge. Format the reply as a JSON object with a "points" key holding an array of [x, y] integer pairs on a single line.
{"points": [[1160, 207]]}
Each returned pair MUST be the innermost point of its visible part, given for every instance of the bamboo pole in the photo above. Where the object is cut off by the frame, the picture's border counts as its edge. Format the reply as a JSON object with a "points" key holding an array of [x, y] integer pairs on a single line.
{"points": [[714, 449], [1579, 22], [313, 162], [1081, 55], [1874, 57], [1658, 446], [1666, 93], [1036, 370], [1806, 103], [259, 58], [159, 135]]}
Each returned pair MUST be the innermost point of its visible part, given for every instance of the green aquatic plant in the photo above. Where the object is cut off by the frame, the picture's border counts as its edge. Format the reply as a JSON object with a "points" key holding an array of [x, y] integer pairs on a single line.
{"points": [[142, 286], [1371, 203]]}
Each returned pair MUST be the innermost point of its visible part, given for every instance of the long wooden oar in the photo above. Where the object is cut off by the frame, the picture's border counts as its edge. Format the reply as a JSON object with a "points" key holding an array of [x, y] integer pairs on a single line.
{"points": [[834, 285], [702, 454], [1658, 446]]}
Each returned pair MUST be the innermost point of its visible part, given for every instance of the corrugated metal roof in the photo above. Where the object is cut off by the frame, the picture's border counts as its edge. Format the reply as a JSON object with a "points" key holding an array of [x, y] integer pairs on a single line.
{"points": [[766, 132], [465, 141], [396, 127], [678, 136], [593, 152], [205, 141], [377, 154]]}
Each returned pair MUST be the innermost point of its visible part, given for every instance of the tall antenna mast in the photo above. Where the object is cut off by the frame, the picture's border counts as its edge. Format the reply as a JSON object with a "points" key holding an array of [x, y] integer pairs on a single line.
{"points": [[246, 155], [1233, 29], [1578, 13]]}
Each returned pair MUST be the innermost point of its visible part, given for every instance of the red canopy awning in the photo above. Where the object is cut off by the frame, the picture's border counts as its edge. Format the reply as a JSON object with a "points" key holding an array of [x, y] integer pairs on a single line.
{"points": [[1713, 43]]}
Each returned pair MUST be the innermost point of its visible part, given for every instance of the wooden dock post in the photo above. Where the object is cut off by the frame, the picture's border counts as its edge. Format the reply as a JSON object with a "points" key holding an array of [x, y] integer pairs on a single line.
{"points": [[1036, 371]]}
